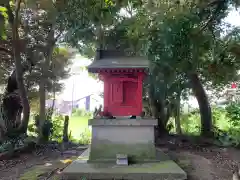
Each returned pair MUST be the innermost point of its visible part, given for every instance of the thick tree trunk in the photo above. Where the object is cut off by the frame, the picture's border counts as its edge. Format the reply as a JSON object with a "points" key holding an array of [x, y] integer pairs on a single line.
{"points": [[19, 71], [177, 114], [204, 106], [158, 112], [162, 117], [25, 103]]}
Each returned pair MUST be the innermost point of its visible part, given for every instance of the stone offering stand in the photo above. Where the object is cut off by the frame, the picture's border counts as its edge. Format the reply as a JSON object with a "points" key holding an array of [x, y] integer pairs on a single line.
{"points": [[115, 133]]}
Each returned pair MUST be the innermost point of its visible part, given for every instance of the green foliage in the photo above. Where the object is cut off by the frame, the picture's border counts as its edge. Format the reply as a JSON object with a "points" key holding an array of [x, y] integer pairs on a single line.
{"points": [[220, 118], [177, 46], [170, 34], [58, 70], [84, 19], [81, 113], [181, 43], [57, 129], [17, 142], [46, 129], [233, 112], [226, 124], [6, 146], [223, 138], [52, 128], [3, 22], [222, 127], [32, 129], [85, 137], [190, 123]]}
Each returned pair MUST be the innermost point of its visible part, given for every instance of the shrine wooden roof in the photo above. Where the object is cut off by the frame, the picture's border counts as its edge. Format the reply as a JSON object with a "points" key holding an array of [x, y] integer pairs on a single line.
{"points": [[116, 60]]}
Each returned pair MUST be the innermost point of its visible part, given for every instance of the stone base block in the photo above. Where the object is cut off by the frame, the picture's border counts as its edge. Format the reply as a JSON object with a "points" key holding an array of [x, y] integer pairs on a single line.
{"points": [[122, 136], [162, 170], [106, 151]]}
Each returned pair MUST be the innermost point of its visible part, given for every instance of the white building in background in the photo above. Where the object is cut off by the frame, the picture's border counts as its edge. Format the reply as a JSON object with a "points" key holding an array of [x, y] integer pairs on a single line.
{"points": [[80, 90], [89, 103]]}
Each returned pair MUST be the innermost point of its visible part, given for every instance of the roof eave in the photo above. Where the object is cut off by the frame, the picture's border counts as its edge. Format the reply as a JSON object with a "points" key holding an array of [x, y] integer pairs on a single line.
{"points": [[119, 69]]}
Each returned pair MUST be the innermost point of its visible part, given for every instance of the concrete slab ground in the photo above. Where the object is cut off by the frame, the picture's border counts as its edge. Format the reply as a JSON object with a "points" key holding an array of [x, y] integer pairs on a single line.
{"points": [[162, 170]]}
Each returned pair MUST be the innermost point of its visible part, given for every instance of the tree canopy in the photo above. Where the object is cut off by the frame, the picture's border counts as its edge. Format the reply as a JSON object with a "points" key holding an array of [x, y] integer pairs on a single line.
{"points": [[183, 40]]}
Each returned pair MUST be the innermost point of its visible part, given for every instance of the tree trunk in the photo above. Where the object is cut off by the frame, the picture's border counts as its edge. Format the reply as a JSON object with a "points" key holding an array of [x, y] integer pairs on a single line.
{"points": [[158, 112], [25, 103], [53, 103], [42, 85], [42, 102], [162, 115], [19, 71], [65, 129], [204, 106], [177, 114]]}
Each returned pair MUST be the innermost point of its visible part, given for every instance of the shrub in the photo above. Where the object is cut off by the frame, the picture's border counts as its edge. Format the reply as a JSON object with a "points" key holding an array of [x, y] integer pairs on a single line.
{"points": [[219, 118], [52, 128], [226, 124], [233, 114], [190, 123], [6, 146], [11, 144], [72, 138], [57, 128], [85, 137]]}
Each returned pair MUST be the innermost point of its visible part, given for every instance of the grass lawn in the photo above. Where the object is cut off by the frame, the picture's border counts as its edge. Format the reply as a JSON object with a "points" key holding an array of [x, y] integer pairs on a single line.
{"points": [[77, 125]]}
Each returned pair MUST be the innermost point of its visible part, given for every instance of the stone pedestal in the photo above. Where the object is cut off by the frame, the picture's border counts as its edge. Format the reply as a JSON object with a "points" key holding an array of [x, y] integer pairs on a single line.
{"points": [[134, 137]]}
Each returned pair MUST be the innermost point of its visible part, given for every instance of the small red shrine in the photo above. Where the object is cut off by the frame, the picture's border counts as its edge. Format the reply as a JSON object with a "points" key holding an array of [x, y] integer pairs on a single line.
{"points": [[123, 78], [122, 141]]}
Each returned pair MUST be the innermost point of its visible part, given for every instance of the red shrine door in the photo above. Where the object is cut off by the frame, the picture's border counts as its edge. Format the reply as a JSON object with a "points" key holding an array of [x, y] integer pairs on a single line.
{"points": [[125, 96]]}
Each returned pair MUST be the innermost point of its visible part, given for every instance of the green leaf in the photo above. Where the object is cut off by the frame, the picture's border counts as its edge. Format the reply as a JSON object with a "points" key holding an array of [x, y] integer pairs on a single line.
{"points": [[2, 27], [3, 9], [3, 36]]}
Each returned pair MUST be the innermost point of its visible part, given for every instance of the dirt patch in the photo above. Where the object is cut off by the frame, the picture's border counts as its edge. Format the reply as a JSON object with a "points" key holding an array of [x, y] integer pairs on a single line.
{"points": [[38, 165], [202, 160], [195, 166]]}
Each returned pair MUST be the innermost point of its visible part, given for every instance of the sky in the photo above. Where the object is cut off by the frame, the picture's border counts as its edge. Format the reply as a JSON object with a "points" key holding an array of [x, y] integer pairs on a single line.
{"points": [[233, 18], [80, 84]]}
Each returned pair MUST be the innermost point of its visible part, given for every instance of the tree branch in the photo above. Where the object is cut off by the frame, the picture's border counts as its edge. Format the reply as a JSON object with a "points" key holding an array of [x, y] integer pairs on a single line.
{"points": [[218, 4], [58, 36], [18, 2], [6, 50]]}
